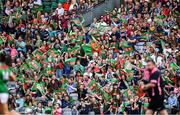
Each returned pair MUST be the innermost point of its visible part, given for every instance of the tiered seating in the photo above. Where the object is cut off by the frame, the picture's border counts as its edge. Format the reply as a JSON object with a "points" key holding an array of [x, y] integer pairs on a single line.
{"points": [[54, 4], [61, 1], [47, 5], [1, 11]]}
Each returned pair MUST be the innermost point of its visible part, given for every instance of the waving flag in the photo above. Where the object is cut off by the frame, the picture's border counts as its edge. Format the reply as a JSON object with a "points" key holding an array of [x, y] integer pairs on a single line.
{"points": [[87, 49]]}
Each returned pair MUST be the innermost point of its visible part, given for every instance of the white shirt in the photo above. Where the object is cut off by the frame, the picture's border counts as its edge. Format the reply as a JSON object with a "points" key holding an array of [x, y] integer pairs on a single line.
{"points": [[60, 11], [167, 51], [159, 60], [144, 63], [38, 2], [72, 5]]}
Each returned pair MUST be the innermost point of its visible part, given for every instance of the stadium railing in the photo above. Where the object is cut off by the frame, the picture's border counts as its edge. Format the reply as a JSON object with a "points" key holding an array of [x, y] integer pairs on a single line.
{"points": [[100, 9]]}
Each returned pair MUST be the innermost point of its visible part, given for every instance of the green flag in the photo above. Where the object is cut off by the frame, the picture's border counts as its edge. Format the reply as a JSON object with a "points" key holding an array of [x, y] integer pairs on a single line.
{"points": [[112, 62], [70, 60], [87, 49], [38, 86], [126, 93], [174, 66], [162, 43], [1, 41], [127, 66], [144, 37], [77, 47], [72, 33]]}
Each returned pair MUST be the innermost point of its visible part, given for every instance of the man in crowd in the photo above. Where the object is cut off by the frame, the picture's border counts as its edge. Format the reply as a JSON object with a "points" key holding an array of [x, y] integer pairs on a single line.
{"points": [[155, 90]]}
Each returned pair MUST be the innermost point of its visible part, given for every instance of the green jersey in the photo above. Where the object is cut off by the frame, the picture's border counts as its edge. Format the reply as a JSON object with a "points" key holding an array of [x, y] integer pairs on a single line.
{"points": [[4, 77]]}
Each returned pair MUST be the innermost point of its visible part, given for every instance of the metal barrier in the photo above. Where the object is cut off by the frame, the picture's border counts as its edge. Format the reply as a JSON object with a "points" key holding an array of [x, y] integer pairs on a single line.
{"points": [[99, 10]]}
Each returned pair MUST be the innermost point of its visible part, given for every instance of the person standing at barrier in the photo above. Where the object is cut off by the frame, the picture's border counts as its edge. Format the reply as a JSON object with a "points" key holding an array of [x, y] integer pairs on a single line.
{"points": [[5, 76], [155, 90]]}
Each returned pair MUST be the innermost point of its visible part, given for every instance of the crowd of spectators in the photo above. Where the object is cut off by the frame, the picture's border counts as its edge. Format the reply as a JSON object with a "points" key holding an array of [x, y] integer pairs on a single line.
{"points": [[63, 67]]}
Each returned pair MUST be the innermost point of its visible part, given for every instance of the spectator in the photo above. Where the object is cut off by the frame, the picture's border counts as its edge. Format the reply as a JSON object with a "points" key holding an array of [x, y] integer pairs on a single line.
{"points": [[60, 9], [172, 102]]}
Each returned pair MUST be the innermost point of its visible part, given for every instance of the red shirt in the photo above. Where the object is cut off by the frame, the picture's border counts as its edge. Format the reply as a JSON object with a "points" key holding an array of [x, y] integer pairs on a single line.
{"points": [[8, 37], [129, 32], [96, 69], [118, 66], [47, 47], [21, 25], [66, 6], [64, 23], [166, 11], [60, 65], [107, 20]]}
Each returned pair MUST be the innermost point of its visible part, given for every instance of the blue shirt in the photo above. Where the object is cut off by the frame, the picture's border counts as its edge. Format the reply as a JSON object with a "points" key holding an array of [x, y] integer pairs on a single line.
{"points": [[70, 88], [65, 103], [87, 37], [20, 102], [172, 101], [67, 69], [21, 46]]}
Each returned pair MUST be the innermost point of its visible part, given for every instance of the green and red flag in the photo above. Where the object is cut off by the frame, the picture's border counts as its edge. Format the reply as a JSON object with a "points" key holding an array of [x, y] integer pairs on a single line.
{"points": [[139, 91], [96, 47], [35, 65], [127, 48], [174, 66], [127, 93], [97, 89], [49, 70], [167, 80], [38, 54]]}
